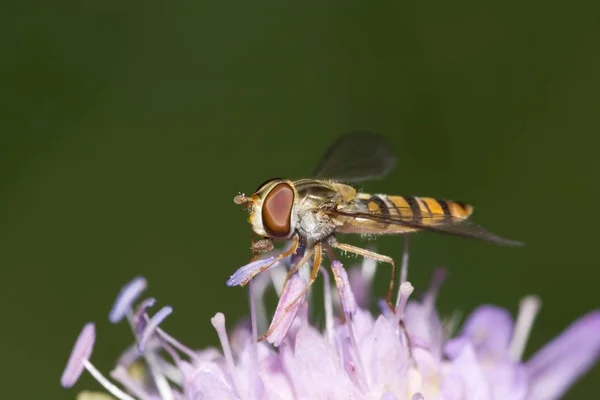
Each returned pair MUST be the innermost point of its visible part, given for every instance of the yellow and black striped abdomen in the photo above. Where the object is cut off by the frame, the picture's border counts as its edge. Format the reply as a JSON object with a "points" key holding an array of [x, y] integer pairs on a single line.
{"points": [[423, 208], [420, 209]]}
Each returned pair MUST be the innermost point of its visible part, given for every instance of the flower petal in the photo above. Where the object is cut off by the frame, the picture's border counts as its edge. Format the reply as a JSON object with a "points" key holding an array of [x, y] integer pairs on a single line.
{"points": [[286, 312], [315, 369], [424, 327], [385, 358], [562, 361], [245, 273], [489, 330], [343, 285], [465, 379]]}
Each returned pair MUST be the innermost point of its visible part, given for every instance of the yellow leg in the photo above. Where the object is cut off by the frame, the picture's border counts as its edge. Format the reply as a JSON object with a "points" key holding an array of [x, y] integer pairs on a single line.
{"points": [[307, 254], [375, 256], [280, 257]]}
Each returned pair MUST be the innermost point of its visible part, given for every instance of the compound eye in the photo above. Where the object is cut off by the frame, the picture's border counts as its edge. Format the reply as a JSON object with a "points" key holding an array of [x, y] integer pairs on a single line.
{"points": [[277, 211]]}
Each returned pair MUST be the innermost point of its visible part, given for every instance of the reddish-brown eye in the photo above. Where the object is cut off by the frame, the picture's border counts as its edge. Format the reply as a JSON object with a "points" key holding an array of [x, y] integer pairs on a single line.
{"points": [[277, 211]]}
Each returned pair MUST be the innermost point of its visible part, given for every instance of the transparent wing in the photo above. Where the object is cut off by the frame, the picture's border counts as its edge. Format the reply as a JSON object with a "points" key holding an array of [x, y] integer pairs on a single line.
{"points": [[440, 223], [356, 156]]}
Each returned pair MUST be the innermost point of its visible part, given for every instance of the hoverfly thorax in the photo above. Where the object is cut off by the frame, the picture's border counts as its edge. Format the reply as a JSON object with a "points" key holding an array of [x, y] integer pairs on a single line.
{"points": [[271, 208]]}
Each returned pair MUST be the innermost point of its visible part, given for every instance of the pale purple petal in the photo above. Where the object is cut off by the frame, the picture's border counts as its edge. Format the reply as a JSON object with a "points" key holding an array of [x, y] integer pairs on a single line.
{"points": [[465, 379], [316, 370], [508, 379], [343, 286], [286, 312], [429, 366], [154, 322], [389, 396], [81, 352], [490, 330], [554, 368], [127, 296], [208, 382], [424, 327], [385, 358], [245, 273]]}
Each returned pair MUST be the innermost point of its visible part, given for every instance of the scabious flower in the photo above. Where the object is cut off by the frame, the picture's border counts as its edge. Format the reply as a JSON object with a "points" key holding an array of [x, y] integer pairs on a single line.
{"points": [[409, 353]]}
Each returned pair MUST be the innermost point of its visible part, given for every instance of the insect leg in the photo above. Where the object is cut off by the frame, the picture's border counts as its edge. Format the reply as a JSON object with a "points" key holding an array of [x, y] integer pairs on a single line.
{"points": [[280, 257], [375, 256], [313, 276], [298, 265]]}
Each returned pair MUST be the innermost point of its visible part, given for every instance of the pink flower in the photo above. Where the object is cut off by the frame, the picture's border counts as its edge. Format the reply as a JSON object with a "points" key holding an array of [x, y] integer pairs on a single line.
{"points": [[407, 354]]}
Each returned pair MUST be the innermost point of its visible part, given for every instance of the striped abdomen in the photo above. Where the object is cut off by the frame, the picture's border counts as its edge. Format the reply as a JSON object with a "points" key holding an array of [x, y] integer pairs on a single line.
{"points": [[418, 211], [421, 208]]}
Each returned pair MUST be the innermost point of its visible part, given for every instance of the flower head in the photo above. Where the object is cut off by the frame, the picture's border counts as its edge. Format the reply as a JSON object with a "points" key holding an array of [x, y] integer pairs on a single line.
{"points": [[405, 354]]}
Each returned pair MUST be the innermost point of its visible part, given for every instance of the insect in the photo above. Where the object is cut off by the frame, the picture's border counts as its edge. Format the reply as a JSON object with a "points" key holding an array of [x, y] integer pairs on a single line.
{"points": [[311, 212]]}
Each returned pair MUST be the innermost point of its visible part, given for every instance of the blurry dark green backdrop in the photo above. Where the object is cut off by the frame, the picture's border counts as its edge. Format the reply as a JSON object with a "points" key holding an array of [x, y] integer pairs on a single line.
{"points": [[126, 129]]}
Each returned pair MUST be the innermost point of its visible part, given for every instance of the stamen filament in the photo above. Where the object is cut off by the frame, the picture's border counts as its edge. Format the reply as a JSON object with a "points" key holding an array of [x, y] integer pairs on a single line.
{"points": [[108, 385], [254, 377], [218, 321], [161, 382], [528, 310], [405, 291], [328, 305], [404, 266]]}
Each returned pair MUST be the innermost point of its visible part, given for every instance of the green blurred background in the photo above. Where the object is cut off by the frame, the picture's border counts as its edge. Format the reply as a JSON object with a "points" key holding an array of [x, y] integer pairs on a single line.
{"points": [[127, 127]]}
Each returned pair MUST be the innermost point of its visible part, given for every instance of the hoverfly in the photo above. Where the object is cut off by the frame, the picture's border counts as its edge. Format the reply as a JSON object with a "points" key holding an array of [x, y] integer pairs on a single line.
{"points": [[310, 212]]}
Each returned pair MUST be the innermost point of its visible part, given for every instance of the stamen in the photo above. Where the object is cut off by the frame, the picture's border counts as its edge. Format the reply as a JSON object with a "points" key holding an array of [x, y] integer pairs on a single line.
{"points": [[139, 318], [154, 322], [254, 377], [528, 310], [82, 350], [417, 396], [252, 312], [286, 310], [341, 281], [404, 292], [404, 266], [278, 278], [368, 269], [439, 276], [218, 321], [328, 306], [125, 299], [170, 371], [160, 380], [108, 385], [261, 284], [176, 343], [361, 282], [245, 273]]}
